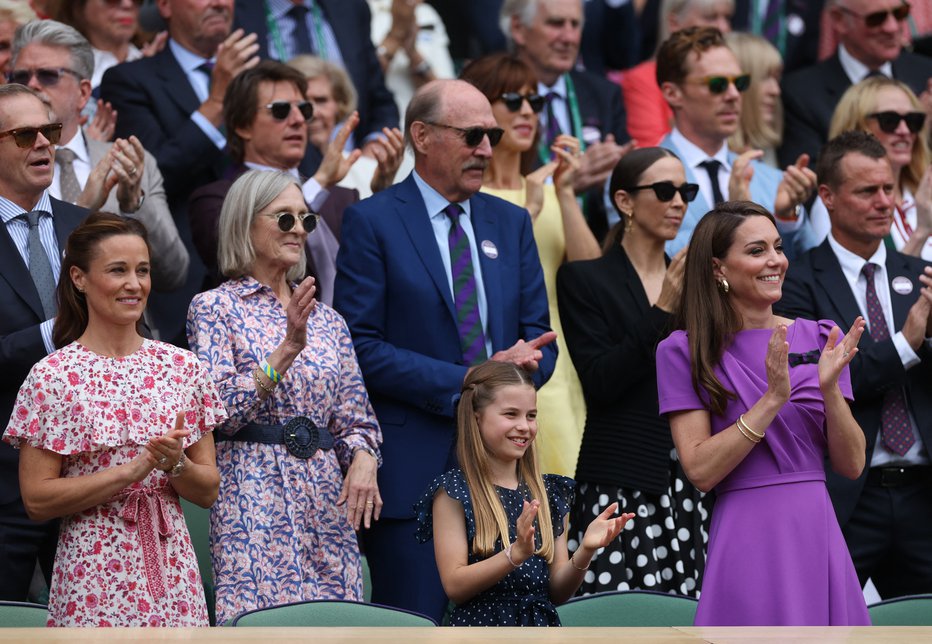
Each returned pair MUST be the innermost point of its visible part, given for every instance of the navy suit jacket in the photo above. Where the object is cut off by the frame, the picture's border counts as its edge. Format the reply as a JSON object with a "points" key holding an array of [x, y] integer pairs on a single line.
{"points": [[802, 47], [351, 22], [815, 288], [21, 343], [811, 94], [392, 289]]}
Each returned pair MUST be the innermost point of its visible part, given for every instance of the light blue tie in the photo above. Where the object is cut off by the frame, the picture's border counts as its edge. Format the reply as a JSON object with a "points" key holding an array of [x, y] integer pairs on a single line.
{"points": [[39, 266]]}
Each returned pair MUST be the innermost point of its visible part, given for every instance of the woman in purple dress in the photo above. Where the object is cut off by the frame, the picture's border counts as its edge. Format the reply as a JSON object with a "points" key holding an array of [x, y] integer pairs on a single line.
{"points": [[755, 401]]}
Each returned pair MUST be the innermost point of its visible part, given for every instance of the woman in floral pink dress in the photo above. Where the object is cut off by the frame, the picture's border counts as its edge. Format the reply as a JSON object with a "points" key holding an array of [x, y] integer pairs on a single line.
{"points": [[112, 428]]}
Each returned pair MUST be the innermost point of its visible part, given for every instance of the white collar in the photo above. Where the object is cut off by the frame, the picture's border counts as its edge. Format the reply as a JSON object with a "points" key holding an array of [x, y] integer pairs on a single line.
{"points": [[856, 70], [692, 155], [852, 264]]}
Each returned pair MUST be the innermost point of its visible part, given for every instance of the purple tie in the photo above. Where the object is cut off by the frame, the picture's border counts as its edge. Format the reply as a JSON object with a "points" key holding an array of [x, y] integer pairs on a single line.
{"points": [[465, 295], [895, 431], [553, 126], [770, 25]]}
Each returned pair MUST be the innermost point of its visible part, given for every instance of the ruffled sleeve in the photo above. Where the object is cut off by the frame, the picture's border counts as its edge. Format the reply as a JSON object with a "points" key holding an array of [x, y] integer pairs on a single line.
{"points": [[454, 484], [40, 413], [201, 402], [560, 496], [844, 378]]}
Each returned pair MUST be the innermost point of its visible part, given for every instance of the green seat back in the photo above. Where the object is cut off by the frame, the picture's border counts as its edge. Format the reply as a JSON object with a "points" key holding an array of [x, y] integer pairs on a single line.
{"points": [[629, 608], [327, 612], [22, 614], [902, 611], [198, 521]]}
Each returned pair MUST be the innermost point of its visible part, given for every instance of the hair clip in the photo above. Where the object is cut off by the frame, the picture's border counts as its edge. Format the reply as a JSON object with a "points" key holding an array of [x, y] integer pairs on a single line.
{"points": [[810, 357]]}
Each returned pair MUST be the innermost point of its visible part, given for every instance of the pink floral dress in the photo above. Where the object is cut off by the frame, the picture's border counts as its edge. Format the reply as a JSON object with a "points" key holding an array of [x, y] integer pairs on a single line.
{"points": [[129, 561]]}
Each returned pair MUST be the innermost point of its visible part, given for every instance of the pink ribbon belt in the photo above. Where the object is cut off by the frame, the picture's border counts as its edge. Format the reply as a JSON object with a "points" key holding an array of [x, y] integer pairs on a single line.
{"points": [[148, 508]]}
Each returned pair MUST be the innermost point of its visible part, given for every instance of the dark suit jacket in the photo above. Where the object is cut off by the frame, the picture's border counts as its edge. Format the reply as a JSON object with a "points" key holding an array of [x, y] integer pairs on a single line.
{"points": [[204, 212], [612, 332], [21, 343], [811, 94], [815, 288], [802, 49], [392, 289], [350, 21]]}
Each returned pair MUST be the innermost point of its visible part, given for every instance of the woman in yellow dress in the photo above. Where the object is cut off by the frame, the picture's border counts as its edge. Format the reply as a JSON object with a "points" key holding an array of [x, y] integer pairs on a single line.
{"points": [[560, 230]]}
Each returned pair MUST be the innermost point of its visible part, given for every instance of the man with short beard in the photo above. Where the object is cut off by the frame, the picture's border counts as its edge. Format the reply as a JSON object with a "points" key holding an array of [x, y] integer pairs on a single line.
{"points": [[434, 277]]}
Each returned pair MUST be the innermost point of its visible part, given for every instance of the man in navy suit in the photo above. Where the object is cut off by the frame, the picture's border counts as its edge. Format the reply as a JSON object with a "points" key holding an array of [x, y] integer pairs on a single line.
{"points": [[886, 514], [173, 102], [27, 302], [395, 288], [870, 42]]}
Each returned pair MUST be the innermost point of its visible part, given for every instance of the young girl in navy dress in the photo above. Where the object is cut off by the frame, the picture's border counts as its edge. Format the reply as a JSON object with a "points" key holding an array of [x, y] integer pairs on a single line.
{"points": [[499, 526]]}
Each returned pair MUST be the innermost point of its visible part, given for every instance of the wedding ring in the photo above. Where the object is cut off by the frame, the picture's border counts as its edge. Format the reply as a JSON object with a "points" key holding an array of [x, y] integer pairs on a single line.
{"points": [[369, 503], [845, 354], [132, 171], [163, 460]]}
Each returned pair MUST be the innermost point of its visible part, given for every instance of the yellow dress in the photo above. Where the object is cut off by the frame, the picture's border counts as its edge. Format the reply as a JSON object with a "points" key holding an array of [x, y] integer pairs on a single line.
{"points": [[560, 404]]}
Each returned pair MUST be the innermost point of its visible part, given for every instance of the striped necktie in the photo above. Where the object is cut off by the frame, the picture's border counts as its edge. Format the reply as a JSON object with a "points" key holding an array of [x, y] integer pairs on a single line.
{"points": [[465, 294]]}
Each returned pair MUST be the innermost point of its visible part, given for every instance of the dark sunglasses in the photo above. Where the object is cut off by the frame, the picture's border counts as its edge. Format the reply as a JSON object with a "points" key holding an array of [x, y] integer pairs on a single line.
{"points": [[47, 76], [25, 137], [890, 120], [718, 84], [286, 221], [514, 100], [117, 3], [665, 190], [281, 109], [877, 18], [473, 135]]}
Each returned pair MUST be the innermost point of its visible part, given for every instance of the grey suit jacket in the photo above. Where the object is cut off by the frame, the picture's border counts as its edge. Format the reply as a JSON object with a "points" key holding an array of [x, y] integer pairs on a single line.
{"points": [[169, 256]]}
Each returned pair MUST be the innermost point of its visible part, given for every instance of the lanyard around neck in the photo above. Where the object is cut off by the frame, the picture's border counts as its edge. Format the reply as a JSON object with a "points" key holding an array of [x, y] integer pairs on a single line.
{"points": [[279, 43], [543, 152]]}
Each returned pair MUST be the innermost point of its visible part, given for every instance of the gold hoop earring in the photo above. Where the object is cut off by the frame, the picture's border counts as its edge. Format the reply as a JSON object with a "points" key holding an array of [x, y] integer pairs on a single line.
{"points": [[723, 286]]}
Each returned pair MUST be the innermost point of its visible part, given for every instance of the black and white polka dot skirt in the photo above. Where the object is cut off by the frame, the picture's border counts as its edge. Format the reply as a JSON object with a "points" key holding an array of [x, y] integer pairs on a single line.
{"points": [[662, 548]]}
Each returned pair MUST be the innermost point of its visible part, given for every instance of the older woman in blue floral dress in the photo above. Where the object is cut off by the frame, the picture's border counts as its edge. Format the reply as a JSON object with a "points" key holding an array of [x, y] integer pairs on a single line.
{"points": [[299, 453]]}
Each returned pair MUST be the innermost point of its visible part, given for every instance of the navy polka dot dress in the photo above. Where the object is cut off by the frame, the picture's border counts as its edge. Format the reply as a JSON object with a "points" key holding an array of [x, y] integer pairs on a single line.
{"points": [[521, 598]]}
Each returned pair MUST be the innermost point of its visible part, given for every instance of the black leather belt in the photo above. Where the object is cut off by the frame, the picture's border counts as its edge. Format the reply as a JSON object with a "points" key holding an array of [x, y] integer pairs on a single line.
{"points": [[899, 476], [300, 436]]}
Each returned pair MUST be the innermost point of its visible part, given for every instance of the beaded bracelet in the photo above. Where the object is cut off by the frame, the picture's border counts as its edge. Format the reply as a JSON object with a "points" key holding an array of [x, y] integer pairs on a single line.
{"points": [[507, 552], [260, 384], [269, 370], [743, 424]]}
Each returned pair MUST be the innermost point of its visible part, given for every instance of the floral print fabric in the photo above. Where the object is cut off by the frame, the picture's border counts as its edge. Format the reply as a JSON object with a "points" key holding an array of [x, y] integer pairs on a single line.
{"points": [[129, 561], [277, 535]]}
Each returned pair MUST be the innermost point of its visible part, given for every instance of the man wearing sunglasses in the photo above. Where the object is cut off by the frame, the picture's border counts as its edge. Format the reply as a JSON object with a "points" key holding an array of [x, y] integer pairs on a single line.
{"points": [[117, 177], [30, 262], [885, 513], [870, 42], [701, 80], [433, 277], [266, 115]]}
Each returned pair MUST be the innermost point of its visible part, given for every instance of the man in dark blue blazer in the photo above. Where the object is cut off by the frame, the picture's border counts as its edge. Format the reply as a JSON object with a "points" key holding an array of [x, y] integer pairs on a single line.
{"points": [[885, 514], [811, 94], [173, 102], [26, 322], [345, 26], [394, 287]]}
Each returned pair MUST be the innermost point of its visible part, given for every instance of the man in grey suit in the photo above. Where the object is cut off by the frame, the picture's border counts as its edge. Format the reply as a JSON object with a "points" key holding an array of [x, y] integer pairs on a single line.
{"points": [[57, 62]]}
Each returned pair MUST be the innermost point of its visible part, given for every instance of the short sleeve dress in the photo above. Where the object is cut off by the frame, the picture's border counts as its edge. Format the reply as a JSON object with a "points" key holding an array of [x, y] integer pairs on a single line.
{"points": [[128, 561], [776, 554], [522, 597]]}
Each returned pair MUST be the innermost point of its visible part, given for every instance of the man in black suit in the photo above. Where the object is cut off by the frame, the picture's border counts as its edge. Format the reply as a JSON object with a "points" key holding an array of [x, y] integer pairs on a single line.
{"points": [[886, 514], [173, 102], [870, 43], [35, 228], [546, 34], [336, 30], [792, 26]]}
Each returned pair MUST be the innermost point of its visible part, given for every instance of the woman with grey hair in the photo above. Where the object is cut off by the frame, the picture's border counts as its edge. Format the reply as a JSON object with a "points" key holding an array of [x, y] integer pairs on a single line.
{"points": [[299, 453]]}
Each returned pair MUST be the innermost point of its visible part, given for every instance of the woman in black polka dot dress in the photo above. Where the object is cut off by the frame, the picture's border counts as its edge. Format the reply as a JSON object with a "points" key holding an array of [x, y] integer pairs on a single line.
{"points": [[615, 310], [494, 579]]}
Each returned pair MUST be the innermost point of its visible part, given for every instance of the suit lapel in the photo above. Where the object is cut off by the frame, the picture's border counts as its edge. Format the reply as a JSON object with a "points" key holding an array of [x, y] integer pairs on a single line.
{"points": [[829, 274], [16, 273], [416, 220], [836, 81], [173, 78], [485, 230]]}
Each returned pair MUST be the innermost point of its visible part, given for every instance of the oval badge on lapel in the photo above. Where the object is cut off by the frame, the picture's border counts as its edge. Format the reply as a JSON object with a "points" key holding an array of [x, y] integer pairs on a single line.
{"points": [[902, 285], [489, 249]]}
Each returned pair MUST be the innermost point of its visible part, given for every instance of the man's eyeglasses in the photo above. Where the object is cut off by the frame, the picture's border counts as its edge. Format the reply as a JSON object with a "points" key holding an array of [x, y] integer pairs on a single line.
{"points": [[286, 221], [25, 137], [665, 190], [718, 84], [888, 121], [281, 109], [473, 135], [47, 76], [513, 101], [117, 3], [877, 18]]}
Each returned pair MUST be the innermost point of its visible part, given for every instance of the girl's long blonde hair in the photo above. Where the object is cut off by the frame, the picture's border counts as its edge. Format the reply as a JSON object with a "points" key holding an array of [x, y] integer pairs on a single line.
{"points": [[479, 391], [761, 60]]}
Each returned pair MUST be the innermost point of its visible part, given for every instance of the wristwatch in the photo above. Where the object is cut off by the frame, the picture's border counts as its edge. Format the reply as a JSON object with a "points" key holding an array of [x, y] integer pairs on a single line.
{"points": [[178, 468]]}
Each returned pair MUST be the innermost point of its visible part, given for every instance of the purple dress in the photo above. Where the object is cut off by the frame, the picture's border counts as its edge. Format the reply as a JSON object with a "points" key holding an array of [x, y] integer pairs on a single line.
{"points": [[776, 554]]}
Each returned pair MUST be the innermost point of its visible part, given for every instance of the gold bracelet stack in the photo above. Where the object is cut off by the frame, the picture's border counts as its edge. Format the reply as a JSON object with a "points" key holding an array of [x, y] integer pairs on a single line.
{"points": [[746, 431], [260, 384]]}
